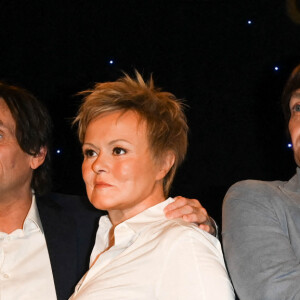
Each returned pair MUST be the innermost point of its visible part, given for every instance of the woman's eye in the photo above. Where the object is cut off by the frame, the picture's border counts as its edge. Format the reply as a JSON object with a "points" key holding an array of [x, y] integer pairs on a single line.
{"points": [[118, 151], [89, 153]]}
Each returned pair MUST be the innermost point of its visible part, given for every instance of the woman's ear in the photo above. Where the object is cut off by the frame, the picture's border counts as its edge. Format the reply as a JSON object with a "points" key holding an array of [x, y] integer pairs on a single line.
{"points": [[38, 159], [166, 163]]}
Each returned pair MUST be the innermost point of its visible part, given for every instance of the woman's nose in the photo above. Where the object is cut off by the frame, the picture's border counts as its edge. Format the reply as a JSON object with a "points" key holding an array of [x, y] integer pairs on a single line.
{"points": [[99, 165]]}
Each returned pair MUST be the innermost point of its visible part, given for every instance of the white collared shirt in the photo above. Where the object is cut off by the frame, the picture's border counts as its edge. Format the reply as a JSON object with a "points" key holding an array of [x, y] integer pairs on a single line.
{"points": [[25, 269], [155, 258]]}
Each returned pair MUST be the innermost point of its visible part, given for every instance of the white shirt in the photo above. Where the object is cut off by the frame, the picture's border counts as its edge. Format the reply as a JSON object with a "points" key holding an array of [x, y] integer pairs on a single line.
{"points": [[25, 269], [155, 258]]}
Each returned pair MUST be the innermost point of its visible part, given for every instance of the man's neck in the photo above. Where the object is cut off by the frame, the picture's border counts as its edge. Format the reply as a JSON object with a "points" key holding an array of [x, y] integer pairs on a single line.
{"points": [[13, 211]]}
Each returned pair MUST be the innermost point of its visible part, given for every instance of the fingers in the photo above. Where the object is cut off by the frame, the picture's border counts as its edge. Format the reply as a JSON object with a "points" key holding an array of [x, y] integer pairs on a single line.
{"points": [[207, 228], [181, 211], [182, 202], [191, 218], [191, 211]]}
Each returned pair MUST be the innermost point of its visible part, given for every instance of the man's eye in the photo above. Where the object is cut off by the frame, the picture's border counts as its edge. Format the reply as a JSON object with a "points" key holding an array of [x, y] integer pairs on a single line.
{"points": [[296, 108], [89, 153], [119, 151]]}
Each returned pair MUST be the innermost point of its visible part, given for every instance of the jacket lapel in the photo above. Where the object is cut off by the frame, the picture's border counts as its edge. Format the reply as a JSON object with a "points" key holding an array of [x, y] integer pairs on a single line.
{"points": [[61, 238]]}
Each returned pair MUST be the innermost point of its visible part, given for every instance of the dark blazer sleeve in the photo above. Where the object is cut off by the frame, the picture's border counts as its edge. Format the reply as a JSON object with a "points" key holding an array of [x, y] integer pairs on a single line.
{"points": [[69, 224]]}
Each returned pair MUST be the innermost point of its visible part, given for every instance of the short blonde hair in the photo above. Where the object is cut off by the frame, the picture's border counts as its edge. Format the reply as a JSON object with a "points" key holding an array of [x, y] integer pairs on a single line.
{"points": [[166, 122]]}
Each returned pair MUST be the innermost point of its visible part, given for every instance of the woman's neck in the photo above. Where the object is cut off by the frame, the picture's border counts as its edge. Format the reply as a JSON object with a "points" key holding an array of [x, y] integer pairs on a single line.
{"points": [[118, 216]]}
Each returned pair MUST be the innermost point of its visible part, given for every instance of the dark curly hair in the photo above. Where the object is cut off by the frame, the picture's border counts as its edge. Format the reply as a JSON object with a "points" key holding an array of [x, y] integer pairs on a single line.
{"points": [[33, 130]]}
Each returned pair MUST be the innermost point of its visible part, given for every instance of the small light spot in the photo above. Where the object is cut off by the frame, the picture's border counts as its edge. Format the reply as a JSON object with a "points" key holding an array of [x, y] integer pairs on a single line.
{"points": [[289, 145], [58, 151], [276, 68], [249, 22], [111, 62]]}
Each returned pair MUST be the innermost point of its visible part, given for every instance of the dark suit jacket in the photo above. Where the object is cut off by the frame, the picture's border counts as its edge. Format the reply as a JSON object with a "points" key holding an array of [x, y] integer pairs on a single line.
{"points": [[70, 224]]}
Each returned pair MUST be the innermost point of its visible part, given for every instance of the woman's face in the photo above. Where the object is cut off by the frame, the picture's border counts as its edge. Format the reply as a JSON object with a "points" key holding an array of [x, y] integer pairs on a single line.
{"points": [[119, 171], [294, 124]]}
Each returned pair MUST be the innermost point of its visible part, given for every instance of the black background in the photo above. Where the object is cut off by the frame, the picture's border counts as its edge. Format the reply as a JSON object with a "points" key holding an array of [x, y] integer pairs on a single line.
{"points": [[201, 50]]}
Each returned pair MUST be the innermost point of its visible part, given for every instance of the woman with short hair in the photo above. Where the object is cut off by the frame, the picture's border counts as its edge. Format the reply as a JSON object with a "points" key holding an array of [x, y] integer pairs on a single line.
{"points": [[134, 136]]}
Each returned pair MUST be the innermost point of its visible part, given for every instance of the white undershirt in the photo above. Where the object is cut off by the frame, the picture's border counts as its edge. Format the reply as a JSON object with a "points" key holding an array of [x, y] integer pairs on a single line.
{"points": [[155, 258], [25, 269]]}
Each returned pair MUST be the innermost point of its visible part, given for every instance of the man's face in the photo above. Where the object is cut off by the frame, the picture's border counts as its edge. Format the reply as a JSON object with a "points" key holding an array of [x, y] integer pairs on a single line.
{"points": [[15, 164], [294, 124]]}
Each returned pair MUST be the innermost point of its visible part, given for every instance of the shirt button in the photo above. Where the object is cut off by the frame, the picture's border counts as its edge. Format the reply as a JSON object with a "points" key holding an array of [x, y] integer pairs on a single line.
{"points": [[5, 276]]}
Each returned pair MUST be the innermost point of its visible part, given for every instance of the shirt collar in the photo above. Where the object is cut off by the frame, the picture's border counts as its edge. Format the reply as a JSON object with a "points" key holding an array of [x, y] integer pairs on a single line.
{"points": [[148, 216], [293, 185], [126, 232], [139, 221], [32, 221]]}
